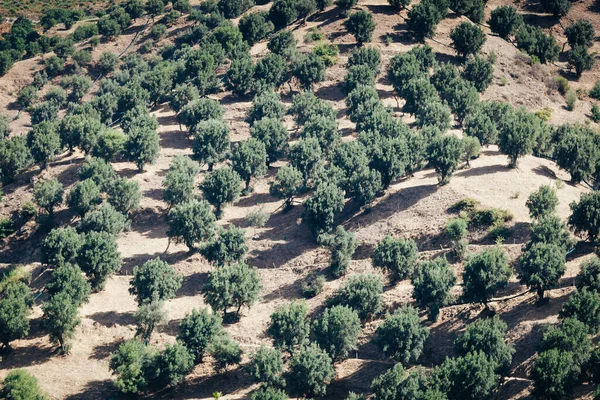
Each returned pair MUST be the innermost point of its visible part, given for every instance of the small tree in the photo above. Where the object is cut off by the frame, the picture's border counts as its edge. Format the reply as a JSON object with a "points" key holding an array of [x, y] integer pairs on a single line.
{"points": [[268, 393], [173, 365], [321, 209], [133, 362], [283, 43], [124, 195], [211, 141], [179, 182], [202, 109], [48, 194], [288, 183], [14, 156], [99, 258], [15, 306], [584, 306], [266, 366], [401, 335], [444, 154], [142, 146], [471, 377], [580, 59], [395, 383], [558, 8], [423, 19], [398, 5], [542, 202], [342, 245], [20, 385], [148, 316], [580, 33], [265, 105], [432, 283], [310, 372], [551, 229], [273, 134], [289, 326], [345, 6], [589, 276], [255, 27], [337, 331], [361, 25], [249, 159], [270, 72], [225, 351], [479, 71], [198, 329], [191, 222], [584, 215], [309, 70], [542, 265], [397, 256], [306, 156], [505, 21], [485, 273], [362, 293], [103, 219], [518, 135], [98, 170], [220, 187], [69, 279], [487, 336], [61, 246], [84, 196], [240, 75], [234, 285], [553, 374], [60, 319], [44, 143], [229, 247], [154, 280]]}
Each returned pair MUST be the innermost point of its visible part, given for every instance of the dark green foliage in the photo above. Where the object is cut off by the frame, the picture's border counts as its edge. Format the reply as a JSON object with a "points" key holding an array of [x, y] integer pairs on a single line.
{"points": [[179, 182], [485, 273], [535, 42], [398, 5], [580, 59], [321, 209], [124, 195], [479, 71], [396, 384], [60, 319], [325, 130], [396, 256], [584, 306], [589, 276], [84, 196], [60, 246], [270, 72], [133, 363], [553, 374], [20, 385], [542, 202], [142, 146], [558, 8], [471, 377], [518, 135], [580, 33], [289, 326], [342, 245], [572, 336], [44, 143], [240, 75], [44, 112], [337, 331], [211, 141], [69, 279], [108, 62], [423, 19], [200, 110], [266, 366], [173, 365], [306, 156], [312, 285], [103, 219], [308, 70], [417, 93], [273, 134], [283, 43], [182, 95], [234, 285], [444, 154], [432, 283], [310, 372], [249, 159], [268, 393], [401, 335], [345, 6], [584, 216], [542, 265], [467, 39], [436, 114], [48, 194], [14, 156], [229, 247], [265, 105], [362, 293], [288, 183], [155, 280], [148, 316], [282, 13], [369, 56], [487, 336], [191, 222], [16, 301], [255, 27], [198, 329], [361, 25], [99, 171], [99, 257], [234, 8], [220, 187]]}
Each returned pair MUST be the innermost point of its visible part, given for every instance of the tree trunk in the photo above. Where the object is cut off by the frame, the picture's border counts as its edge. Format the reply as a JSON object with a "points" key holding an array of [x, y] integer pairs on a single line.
{"points": [[540, 293]]}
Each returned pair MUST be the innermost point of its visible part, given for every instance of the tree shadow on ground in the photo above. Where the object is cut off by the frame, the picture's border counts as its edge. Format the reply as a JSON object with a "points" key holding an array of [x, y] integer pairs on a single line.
{"points": [[26, 356], [192, 285], [103, 351], [254, 199], [150, 224], [228, 383], [359, 381], [175, 139], [290, 292], [100, 390], [111, 319], [138, 259], [484, 170], [543, 170], [330, 93]]}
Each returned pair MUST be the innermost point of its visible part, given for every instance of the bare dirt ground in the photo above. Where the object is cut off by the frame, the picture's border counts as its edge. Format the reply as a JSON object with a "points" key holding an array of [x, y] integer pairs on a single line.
{"points": [[284, 251]]}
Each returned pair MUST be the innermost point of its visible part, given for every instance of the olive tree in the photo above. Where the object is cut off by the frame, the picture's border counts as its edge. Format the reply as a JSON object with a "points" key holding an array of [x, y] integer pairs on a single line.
{"points": [[310, 371], [99, 257], [84, 196], [60, 319], [321, 209], [397, 256], [542, 202], [15, 305], [362, 293], [337, 331], [444, 154], [287, 184], [342, 245], [198, 329], [220, 187], [518, 135], [249, 159], [542, 265], [309, 70], [361, 25], [211, 141], [584, 215], [191, 222], [44, 143], [233, 285], [401, 336], [289, 326], [273, 134], [155, 280], [485, 273], [266, 366], [432, 283], [179, 182], [505, 21], [228, 247], [60, 246], [48, 194]]}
